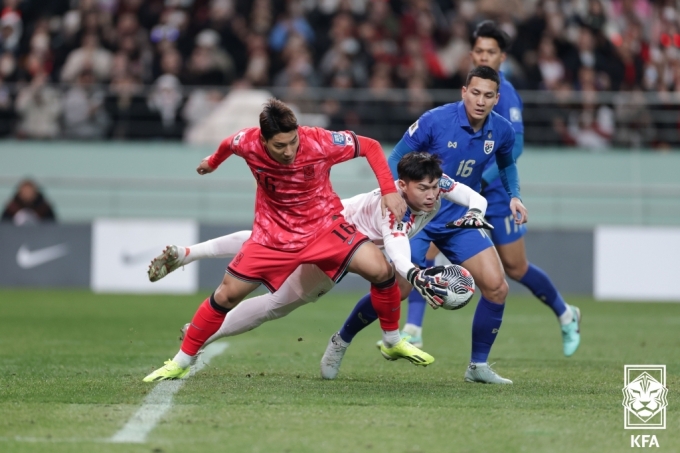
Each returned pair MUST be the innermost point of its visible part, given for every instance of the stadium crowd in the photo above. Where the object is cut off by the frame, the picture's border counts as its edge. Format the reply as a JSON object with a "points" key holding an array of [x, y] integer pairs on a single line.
{"points": [[91, 69]]}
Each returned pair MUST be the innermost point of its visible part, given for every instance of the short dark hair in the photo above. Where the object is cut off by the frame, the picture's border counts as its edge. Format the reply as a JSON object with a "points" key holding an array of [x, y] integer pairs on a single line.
{"points": [[483, 72], [489, 29], [276, 117], [417, 166]]}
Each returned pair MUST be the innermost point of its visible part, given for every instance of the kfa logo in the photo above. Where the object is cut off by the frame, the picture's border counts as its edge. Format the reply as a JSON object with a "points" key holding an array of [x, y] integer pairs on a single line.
{"points": [[644, 397], [309, 172], [644, 440], [488, 146]]}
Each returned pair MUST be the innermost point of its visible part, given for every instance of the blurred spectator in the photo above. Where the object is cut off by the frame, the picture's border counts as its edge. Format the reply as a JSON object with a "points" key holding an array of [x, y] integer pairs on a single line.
{"points": [[290, 23], [634, 121], [11, 27], [166, 99], [209, 65], [39, 107], [257, 71], [550, 67], [28, 206], [128, 109], [593, 126], [456, 49], [200, 104], [84, 115], [89, 56]]}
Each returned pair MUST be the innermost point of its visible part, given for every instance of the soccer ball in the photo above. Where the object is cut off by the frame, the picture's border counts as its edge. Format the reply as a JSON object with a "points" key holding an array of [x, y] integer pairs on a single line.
{"points": [[461, 286]]}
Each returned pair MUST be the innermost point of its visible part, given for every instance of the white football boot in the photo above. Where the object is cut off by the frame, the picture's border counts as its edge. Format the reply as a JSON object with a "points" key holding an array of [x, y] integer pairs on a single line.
{"points": [[482, 372], [170, 260], [332, 357]]}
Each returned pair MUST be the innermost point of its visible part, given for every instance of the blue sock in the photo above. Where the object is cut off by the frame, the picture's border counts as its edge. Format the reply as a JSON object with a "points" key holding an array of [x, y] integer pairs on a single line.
{"points": [[416, 308], [485, 325], [416, 304], [542, 287], [362, 315]]}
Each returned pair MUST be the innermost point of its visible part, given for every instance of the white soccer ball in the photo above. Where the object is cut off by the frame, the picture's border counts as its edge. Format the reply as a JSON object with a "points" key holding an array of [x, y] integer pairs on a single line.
{"points": [[461, 286]]}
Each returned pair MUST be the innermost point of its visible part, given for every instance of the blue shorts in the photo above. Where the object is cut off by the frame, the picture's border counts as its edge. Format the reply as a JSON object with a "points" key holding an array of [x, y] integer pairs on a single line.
{"points": [[456, 245], [505, 231], [499, 215]]}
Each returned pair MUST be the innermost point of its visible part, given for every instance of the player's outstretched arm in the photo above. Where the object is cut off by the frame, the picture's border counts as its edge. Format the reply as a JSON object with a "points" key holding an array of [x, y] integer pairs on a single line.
{"points": [[210, 163], [204, 167], [391, 200]]}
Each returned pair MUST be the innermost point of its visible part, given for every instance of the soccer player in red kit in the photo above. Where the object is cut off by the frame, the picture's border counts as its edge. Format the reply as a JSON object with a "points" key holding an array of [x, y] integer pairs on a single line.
{"points": [[298, 220]]}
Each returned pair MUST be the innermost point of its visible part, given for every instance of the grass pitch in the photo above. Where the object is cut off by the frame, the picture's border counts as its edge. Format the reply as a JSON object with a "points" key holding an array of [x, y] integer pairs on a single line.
{"points": [[72, 363]]}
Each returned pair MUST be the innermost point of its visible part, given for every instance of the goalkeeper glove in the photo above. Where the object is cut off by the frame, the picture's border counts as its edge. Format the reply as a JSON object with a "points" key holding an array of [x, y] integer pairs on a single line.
{"points": [[472, 219], [429, 285]]}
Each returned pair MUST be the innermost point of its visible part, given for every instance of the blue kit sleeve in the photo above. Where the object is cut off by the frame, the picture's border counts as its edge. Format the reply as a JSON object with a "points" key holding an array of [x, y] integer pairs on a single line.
{"points": [[507, 168], [399, 151], [491, 173]]}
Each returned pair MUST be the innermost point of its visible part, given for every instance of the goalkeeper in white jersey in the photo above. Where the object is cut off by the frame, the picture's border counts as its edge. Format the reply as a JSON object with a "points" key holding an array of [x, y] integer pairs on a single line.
{"points": [[423, 186]]}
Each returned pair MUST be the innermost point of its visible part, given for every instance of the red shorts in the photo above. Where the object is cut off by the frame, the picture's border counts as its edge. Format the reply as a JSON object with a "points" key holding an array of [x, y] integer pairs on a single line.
{"points": [[331, 252]]}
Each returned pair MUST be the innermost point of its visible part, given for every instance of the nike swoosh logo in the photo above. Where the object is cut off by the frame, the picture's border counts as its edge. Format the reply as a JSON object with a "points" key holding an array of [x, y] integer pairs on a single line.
{"points": [[27, 259], [130, 259], [351, 239]]}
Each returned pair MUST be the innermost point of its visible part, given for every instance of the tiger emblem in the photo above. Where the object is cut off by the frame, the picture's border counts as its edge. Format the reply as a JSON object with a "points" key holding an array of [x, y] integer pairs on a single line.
{"points": [[645, 397]]}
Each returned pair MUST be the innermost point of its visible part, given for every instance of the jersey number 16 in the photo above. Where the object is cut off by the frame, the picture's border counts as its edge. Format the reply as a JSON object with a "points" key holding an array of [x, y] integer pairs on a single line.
{"points": [[465, 168]]}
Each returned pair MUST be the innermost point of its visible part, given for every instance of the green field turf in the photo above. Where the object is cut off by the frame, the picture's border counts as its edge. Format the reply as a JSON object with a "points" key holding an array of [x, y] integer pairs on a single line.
{"points": [[72, 363]]}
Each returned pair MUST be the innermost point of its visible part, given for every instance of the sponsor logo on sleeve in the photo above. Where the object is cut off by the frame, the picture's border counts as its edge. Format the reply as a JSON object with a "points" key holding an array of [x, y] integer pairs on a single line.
{"points": [[412, 130], [445, 183], [339, 138], [515, 115], [237, 139]]}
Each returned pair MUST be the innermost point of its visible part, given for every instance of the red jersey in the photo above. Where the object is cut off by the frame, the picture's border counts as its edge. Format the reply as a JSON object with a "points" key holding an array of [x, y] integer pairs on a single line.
{"points": [[296, 202]]}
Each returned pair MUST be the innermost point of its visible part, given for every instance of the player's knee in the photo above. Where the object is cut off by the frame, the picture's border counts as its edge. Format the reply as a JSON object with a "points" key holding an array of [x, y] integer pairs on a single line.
{"points": [[222, 297], [495, 289], [516, 270], [381, 275]]}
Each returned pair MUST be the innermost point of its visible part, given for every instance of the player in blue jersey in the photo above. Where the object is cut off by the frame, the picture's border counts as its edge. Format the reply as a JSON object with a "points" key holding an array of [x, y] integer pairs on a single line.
{"points": [[465, 135], [489, 44]]}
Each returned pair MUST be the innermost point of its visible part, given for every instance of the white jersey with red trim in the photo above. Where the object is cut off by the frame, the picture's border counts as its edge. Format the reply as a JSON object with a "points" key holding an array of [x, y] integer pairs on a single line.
{"points": [[364, 211]]}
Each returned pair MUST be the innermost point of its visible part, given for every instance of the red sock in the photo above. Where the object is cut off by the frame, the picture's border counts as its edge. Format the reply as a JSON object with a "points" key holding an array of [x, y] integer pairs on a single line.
{"points": [[206, 322], [387, 304]]}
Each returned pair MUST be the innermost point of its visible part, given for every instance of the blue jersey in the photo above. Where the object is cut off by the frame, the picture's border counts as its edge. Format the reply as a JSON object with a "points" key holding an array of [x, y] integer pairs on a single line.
{"points": [[509, 107], [446, 132]]}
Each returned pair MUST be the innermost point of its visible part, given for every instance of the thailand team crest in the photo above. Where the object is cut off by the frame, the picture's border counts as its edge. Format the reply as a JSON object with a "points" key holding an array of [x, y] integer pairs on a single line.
{"points": [[644, 396], [488, 146]]}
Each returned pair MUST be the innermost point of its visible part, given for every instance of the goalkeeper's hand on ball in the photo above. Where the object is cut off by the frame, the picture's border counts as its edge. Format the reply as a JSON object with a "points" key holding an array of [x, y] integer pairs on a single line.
{"points": [[472, 219], [428, 283]]}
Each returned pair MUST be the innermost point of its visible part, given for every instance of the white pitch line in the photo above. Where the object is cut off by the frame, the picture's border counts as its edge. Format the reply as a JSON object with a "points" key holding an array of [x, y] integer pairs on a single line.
{"points": [[159, 401]]}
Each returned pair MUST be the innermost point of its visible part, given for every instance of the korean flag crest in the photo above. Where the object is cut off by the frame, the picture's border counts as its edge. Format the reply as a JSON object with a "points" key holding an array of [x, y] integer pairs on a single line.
{"points": [[488, 146]]}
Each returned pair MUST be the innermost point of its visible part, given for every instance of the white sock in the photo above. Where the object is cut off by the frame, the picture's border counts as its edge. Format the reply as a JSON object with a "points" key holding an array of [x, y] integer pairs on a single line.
{"points": [[391, 338], [567, 317], [252, 312], [413, 330], [480, 363], [221, 247], [182, 359]]}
